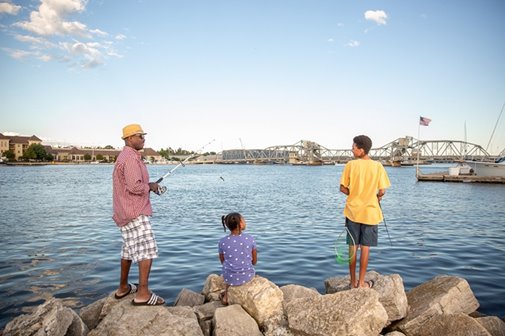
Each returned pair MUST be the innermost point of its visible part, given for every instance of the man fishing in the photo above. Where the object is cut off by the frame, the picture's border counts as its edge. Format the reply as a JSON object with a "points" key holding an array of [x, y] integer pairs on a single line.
{"points": [[364, 181], [132, 211]]}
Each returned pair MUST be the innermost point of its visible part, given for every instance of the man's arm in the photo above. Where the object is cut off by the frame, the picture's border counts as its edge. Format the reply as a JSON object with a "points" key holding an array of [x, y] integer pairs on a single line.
{"points": [[344, 189], [381, 193]]}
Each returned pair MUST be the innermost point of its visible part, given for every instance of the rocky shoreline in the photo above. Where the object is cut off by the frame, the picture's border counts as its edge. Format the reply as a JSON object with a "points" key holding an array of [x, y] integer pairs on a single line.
{"points": [[444, 305]]}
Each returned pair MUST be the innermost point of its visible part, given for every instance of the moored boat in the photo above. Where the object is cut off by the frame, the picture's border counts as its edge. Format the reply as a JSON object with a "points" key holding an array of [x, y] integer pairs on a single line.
{"points": [[483, 168]]}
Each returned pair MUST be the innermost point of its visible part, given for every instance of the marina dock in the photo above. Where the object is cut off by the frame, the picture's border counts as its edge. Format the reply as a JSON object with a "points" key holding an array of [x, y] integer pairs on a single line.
{"points": [[446, 177]]}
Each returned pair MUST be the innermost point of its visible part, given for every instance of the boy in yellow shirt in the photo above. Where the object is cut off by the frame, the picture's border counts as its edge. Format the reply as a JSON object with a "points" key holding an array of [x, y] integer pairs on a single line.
{"points": [[364, 181]]}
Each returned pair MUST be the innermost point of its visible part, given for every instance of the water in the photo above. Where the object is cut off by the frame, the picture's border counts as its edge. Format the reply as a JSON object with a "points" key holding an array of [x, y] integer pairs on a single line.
{"points": [[57, 237]]}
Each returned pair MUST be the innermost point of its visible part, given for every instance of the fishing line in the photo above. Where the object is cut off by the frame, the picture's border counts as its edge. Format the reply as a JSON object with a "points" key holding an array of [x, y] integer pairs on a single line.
{"points": [[343, 245], [384, 220], [162, 189]]}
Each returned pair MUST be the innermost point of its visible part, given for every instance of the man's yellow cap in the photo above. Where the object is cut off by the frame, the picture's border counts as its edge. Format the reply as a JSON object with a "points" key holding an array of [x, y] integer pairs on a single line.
{"points": [[132, 129]]}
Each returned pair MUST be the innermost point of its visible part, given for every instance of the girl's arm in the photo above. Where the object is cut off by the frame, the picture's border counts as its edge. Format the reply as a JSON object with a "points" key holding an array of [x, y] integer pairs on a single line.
{"points": [[221, 257], [254, 256]]}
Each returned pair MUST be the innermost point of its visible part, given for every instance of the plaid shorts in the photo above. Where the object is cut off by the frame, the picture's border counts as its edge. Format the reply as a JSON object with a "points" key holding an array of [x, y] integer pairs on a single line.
{"points": [[138, 240]]}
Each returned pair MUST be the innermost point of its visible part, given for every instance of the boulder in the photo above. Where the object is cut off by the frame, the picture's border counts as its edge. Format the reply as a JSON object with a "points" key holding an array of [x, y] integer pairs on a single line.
{"points": [[493, 325], [51, 318], [389, 287], [354, 312], [291, 292], [187, 297], [442, 295], [205, 314], [127, 319], [337, 284], [214, 285], [234, 321], [260, 298], [452, 324], [90, 314]]}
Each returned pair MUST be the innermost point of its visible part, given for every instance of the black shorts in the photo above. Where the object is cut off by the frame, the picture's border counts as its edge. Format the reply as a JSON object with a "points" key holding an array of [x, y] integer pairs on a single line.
{"points": [[363, 234]]}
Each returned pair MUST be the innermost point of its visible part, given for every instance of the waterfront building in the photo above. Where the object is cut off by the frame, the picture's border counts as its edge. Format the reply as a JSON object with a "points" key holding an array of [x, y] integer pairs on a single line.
{"points": [[17, 144]]}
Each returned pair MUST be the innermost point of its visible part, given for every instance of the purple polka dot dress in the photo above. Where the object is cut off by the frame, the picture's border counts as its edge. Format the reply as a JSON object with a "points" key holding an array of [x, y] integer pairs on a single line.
{"points": [[237, 266]]}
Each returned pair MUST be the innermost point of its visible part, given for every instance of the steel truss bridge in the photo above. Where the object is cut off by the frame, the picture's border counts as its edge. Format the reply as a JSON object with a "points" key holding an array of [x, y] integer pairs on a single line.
{"points": [[402, 151]]}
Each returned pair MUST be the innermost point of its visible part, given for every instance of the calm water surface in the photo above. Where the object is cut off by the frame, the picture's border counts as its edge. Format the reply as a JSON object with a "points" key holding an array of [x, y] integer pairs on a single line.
{"points": [[58, 239]]}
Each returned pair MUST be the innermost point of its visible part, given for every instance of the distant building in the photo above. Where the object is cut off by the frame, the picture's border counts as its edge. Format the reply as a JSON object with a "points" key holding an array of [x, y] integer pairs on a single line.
{"points": [[17, 144], [74, 154]]}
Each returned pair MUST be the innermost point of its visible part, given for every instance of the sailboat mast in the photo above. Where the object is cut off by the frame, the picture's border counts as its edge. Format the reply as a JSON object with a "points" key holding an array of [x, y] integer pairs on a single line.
{"points": [[495, 125]]}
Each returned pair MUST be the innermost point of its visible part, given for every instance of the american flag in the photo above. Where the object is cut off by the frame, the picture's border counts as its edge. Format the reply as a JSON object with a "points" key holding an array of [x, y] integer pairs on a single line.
{"points": [[423, 121]]}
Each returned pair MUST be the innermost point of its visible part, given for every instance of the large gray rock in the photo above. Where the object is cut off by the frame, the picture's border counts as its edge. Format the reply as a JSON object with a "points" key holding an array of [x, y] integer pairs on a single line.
{"points": [[389, 287], [493, 325], [260, 298], [337, 284], [291, 292], [234, 321], [205, 314], [442, 295], [187, 297], [90, 314], [124, 318], [214, 285], [452, 324], [356, 312], [51, 318]]}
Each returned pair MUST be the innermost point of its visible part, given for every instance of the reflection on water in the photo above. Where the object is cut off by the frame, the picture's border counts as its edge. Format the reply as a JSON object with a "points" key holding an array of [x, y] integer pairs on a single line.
{"points": [[58, 238]]}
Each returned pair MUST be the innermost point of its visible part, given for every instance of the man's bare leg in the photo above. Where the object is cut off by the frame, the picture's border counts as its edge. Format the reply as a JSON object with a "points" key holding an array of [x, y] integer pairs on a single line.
{"points": [[123, 280], [363, 265], [143, 293], [353, 251]]}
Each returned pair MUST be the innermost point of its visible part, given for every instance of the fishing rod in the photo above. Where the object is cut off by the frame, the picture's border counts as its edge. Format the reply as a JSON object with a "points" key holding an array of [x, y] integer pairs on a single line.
{"points": [[384, 220], [162, 189]]}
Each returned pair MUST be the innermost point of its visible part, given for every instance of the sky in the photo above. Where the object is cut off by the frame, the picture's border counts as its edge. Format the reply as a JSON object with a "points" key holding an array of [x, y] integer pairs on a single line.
{"points": [[252, 74]]}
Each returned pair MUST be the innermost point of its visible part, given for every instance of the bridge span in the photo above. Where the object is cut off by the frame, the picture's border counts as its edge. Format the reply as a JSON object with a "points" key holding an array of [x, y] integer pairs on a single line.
{"points": [[402, 151]]}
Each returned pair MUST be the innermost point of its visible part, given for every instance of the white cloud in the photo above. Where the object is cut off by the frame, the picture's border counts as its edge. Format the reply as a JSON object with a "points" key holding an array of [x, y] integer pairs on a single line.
{"points": [[50, 36], [89, 53], [378, 16], [50, 18], [330, 40], [45, 58], [353, 44], [9, 8], [98, 32], [19, 54]]}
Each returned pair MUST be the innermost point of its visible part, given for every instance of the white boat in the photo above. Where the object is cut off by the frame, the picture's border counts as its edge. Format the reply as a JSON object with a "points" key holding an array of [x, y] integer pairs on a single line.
{"points": [[482, 168]]}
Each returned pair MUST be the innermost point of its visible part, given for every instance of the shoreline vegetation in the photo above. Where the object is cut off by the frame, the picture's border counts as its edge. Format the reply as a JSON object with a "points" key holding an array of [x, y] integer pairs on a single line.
{"points": [[444, 305]]}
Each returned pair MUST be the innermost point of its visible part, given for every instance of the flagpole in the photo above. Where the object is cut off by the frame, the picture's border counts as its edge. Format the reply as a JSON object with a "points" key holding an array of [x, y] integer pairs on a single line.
{"points": [[418, 146]]}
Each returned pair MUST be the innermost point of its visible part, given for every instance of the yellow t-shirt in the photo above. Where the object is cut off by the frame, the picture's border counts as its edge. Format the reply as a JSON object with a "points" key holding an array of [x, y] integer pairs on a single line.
{"points": [[364, 178]]}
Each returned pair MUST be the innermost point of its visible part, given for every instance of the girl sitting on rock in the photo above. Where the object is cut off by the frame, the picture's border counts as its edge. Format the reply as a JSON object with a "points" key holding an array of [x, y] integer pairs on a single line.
{"points": [[237, 253]]}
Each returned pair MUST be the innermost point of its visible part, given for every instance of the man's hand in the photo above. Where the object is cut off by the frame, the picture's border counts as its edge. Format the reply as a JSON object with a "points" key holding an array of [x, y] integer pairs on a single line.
{"points": [[154, 187]]}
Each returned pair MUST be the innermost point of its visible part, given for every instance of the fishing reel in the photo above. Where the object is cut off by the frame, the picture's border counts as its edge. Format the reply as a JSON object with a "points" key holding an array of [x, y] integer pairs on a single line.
{"points": [[161, 190]]}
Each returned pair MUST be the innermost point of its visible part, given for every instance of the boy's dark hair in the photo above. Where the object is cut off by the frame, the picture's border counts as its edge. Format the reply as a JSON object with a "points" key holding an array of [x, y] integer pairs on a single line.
{"points": [[363, 142], [231, 221]]}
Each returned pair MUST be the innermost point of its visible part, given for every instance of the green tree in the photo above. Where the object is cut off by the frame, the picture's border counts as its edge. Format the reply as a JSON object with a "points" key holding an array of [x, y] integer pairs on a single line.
{"points": [[87, 157], [10, 155], [49, 157], [99, 157], [164, 153], [109, 147], [35, 152]]}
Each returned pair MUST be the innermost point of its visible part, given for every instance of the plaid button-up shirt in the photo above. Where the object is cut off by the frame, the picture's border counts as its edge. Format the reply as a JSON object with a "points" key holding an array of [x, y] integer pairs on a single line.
{"points": [[130, 187]]}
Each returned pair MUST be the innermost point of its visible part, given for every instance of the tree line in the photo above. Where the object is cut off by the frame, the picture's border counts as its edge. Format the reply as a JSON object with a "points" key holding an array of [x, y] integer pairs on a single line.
{"points": [[38, 152]]}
